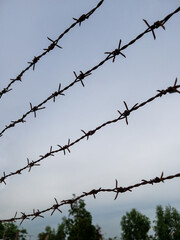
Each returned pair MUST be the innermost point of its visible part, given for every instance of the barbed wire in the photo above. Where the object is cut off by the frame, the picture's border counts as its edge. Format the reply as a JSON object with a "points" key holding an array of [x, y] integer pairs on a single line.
{"points": [[54, 43], [82, 76], [117, 190], [122, 115]]}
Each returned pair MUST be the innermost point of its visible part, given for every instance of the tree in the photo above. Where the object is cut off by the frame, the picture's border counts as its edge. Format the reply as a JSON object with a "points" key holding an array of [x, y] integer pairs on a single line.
{"points": [[114, 238], [11, 231], [135, 226], [49, 234], [60, 234], [167, 223], [1, 230], [99, 233], [79, 224]]}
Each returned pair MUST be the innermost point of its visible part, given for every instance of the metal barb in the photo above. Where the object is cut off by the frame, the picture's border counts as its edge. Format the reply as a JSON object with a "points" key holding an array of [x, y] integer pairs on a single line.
{"points": [[31, 164], [52, 45], [81, 77], [81, 19], [123, 115], [86, 134], [23, 217], [93, 192], [158, 23], [34, 61], [2, 179], [116, 52], [35, 109], [36, 214], [55, 207], [150, 28]]}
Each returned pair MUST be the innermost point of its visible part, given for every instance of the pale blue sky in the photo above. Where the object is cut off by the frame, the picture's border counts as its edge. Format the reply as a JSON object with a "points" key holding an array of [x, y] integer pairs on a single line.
{"points": [[141, 150]]}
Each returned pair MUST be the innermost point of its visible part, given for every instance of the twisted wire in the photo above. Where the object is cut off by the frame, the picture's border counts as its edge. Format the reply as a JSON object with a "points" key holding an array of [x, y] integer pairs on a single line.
{"points": [[122, 115], [54, 43], [117, 190], [82, 76]]}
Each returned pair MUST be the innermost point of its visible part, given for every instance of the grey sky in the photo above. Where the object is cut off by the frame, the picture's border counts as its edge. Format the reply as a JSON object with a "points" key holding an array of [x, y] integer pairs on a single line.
{"points": [[141, 150]]}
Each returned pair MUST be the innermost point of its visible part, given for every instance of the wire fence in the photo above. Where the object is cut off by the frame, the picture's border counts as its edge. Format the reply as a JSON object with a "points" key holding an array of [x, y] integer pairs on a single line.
{"points": [[122, 115], [117, 190], [54, 43], [80, 78]]}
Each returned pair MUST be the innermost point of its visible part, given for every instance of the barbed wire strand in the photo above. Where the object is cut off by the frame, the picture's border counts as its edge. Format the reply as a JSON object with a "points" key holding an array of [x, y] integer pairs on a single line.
{"points": [[122, 115], [82, 76], [54, 43], [117, 190]]}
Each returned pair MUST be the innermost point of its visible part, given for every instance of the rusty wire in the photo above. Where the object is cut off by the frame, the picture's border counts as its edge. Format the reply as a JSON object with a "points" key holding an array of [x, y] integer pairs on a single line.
{"points": [[122, 115], [117, 190], [82, 76], [54, 43]]}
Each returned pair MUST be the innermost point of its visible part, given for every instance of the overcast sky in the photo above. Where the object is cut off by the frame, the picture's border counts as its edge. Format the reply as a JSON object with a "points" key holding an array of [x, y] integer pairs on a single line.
{"points": [[141, 150]]}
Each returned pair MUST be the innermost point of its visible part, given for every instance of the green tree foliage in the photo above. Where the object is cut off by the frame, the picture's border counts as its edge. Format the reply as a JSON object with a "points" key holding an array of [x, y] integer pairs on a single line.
{"points": [[78, 226], [114, 238], [12, 232], [48, 234], [99, 235], [1, 230], [60, 234], [135, 226], [167, 223]]}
